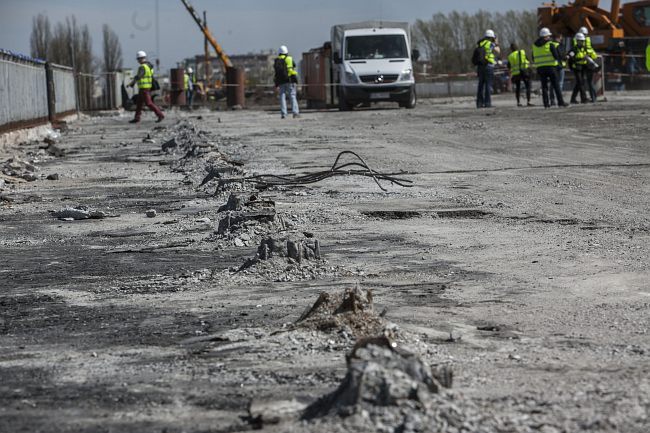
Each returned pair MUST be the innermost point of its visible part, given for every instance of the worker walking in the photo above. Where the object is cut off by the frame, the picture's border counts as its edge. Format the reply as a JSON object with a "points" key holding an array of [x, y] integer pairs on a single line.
{"points": [[547, 59], [520, 71], [557, 41], [145, 81], [485, 59], [189, 80], [286, 81]]}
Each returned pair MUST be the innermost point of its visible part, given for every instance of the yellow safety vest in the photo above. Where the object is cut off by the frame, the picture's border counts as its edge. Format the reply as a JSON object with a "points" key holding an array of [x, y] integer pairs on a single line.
{"points": [[542, 56], [518, 62], [291, 71], [146, 81], [587, 43], [489, 52], [581, 55], [557, 46], [186, 81], [647, 57]]}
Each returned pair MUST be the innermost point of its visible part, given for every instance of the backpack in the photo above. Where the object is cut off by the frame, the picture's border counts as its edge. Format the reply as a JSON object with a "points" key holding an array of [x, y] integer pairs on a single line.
{"points": [[478, 56], [281, 71]]}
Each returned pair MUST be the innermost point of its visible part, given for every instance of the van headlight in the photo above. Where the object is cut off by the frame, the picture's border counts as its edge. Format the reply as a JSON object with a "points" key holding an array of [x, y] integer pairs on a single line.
{"points": [[351, 77], [406, 75]]}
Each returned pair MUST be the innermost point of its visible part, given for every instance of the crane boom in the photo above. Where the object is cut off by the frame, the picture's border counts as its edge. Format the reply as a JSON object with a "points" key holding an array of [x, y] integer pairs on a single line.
{"points": [[222, 56]]}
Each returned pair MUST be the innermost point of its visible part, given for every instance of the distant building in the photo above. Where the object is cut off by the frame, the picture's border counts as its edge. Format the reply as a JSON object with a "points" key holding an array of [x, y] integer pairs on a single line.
{"points": [[258, 67]]}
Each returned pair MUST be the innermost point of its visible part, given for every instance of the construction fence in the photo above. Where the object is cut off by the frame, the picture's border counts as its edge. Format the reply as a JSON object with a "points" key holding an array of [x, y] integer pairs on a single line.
{"points": [[34, 92]]}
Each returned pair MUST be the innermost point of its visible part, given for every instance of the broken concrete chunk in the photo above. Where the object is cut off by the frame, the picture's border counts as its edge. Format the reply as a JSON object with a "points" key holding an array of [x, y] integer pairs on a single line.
{"points": [[151, 213], [169, 145], [53, 176], [79, 213]]}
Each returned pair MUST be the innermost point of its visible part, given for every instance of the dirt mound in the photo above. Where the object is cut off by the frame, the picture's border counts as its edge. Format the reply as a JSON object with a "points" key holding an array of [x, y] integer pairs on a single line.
{"points": [[353, 309]]}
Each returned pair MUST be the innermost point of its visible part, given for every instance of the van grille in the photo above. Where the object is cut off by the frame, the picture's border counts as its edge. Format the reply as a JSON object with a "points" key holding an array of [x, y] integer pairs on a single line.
{"points": [[378, 79]]}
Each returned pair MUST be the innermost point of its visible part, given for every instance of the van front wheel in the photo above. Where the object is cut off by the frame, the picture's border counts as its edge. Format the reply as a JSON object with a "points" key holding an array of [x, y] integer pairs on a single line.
{"points": [[413, 100]]}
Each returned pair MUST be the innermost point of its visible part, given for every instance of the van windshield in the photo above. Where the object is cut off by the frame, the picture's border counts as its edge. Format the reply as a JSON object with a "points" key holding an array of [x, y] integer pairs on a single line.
{"points": [[375, 47]]}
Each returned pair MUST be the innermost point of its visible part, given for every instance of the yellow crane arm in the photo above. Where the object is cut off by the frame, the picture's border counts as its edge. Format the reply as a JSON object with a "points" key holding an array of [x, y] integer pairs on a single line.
{"points": [[224, 58]]}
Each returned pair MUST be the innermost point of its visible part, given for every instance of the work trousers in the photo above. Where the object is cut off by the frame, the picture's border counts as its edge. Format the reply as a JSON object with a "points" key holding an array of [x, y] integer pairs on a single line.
{"points": [[189, 96], [548, 78], [144, 98], [485, 80], [589, 78], [291, 90], [560, 83], [579, 87], [517, 80]]}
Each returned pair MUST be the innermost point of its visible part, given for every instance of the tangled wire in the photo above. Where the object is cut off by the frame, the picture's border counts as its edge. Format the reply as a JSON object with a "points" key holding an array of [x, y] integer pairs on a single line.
{"points": [[356, 168]]}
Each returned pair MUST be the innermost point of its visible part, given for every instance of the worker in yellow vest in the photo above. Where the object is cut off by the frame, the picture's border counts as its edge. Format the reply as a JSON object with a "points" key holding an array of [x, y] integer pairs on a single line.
{"points": [[489, 50], [286, 81], [579, 64], [189, 80], [557, 41], [520, 71], [585, 32], [547, 59], [145, 81]]}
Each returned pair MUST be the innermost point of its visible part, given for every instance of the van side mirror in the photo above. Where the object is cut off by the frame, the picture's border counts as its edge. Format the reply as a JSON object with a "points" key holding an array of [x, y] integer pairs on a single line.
{"points": [[337, 57], [415, 55]]}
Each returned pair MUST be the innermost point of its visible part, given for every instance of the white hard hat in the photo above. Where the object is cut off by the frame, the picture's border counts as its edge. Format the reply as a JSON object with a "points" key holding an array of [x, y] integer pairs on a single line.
{"points": [[190, 70], [490, 34], [141, 55], [580, 37], [544, 32], [283, 50], [584, 31]]}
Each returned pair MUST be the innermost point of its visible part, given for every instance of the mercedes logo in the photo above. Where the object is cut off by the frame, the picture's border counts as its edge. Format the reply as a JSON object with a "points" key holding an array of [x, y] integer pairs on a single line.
{"points": [[379, 79]]}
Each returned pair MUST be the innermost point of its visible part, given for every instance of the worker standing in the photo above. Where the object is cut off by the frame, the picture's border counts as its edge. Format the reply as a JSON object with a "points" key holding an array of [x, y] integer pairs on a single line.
{"points": [[286, 81], [557, 41], [547, 59], [145, 80], [592, 66], [189, 80], [578, 63], [519, 69], [585, 32], [489, 50]]}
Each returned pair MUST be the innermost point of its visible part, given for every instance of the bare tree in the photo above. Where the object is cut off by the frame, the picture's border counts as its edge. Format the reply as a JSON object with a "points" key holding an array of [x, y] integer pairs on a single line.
{"points": [[448, 40], [40, 37], [112, 50], [71, 42]]}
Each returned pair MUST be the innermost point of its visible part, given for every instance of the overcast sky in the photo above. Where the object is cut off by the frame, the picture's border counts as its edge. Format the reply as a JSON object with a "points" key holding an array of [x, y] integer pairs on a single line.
{"points": [[240, 26]]}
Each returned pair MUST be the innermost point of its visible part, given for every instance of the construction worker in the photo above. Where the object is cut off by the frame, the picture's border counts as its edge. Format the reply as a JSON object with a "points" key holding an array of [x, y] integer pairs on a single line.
{"points": [[519, 69], [585, 32], [557, 41], [485, 69], [145, 79], [547, 59], [286, 81], [189, 80], [579, 61]]}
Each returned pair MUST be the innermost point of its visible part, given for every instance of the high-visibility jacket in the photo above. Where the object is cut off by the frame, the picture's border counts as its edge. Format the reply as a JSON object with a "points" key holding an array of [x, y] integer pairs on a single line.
{"points": [[186, 81], [647, 58], [488, 47], [146, 81], [557, 47], [543, 56], [518, 61], [581, 54], [587, 43], [291, 66]]}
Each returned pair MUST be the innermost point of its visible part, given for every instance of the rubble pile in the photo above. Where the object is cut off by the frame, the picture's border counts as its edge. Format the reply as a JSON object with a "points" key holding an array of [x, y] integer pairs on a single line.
{"points": [[389, 389], [243, 211], [15, 168], [352, 311]]}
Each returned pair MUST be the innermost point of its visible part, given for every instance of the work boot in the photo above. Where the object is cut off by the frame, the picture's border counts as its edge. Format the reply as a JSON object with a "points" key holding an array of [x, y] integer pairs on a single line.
{"points": [[530, 104], [519, 104], [564, 104], [296, 116], [160, 119], [134, 121]]}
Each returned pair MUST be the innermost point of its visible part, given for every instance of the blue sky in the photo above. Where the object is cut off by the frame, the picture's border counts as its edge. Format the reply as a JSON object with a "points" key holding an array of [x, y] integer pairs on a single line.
{"points": [[240, 26]]}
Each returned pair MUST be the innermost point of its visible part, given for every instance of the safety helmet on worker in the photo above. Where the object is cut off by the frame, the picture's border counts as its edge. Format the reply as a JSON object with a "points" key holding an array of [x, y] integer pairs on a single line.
{"points": [[490, 34], [544, 32], [584, 31], [190, 70], [580, 37], [283, 50], [141, 55]]}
